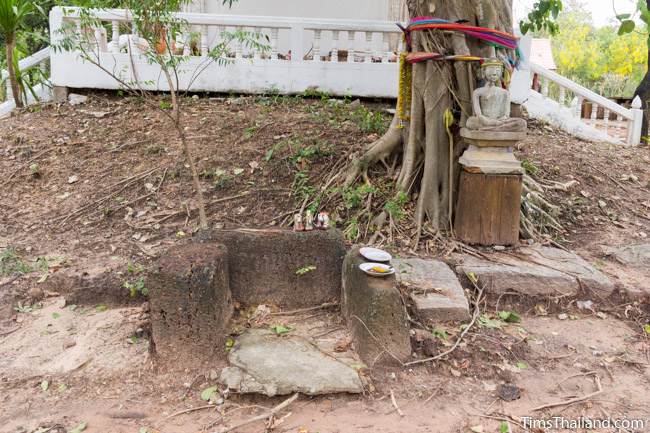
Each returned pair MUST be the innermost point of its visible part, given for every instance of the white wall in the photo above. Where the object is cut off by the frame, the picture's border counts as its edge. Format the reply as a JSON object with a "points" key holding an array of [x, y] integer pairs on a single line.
{"points": [[335, 9]]}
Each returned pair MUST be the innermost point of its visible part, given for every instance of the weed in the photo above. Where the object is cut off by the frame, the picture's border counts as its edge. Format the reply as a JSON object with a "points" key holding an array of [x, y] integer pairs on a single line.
{"points": [[165, 105], [530, 167], [312, 93], [300, 186], [311, 153], [135, 285], [154, 149], [35, 170], [250, 132], [395, 206], [24, 309], [12, 263], [351, 231], [369, 121], [273, 150], [353, 197], [440, 334]]}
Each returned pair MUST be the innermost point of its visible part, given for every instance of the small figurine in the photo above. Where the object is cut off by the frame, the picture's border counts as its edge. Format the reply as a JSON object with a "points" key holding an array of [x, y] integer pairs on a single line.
{"points": [[298, 225], [309, 221], [323, 221]]}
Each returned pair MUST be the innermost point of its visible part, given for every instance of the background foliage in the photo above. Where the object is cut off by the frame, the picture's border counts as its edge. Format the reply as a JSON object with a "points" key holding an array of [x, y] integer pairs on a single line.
{"points": [[606, 60]]}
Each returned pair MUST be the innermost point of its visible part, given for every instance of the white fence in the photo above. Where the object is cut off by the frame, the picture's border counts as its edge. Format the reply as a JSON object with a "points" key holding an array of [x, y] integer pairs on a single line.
{"points": [[342, 57], [562, 102], [42, 91]]}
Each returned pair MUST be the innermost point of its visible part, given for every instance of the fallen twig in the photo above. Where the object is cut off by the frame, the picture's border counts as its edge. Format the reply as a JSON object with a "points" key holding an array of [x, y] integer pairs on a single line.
{"points": [[475, 316], [392, 400], [194, 409], [263, 416], [574, 400], [305, 310], [16, 171], [189, 211], [4, 334]]}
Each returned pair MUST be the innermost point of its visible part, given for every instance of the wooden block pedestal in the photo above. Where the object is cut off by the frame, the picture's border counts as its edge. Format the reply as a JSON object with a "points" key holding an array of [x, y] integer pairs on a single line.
{"points": [[488, 210]]}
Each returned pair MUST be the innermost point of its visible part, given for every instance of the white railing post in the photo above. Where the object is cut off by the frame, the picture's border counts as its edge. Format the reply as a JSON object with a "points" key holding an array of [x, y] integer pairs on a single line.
{"points": [[297, 41], [204, 41], [335, 47], [115, 37], [239, 47], [274, 43], [385, 48], [351, 38], [636, 124], [9, 91], [317, 38], [368, 53]]}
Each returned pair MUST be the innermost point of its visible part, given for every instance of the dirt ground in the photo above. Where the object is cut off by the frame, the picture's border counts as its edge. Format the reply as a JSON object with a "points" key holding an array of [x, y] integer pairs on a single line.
{"points": [[105, 182], [98, 374]]}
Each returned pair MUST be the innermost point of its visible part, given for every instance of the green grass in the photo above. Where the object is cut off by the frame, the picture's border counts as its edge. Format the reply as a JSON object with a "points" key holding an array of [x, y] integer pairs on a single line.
{"points": [[12, 263]]}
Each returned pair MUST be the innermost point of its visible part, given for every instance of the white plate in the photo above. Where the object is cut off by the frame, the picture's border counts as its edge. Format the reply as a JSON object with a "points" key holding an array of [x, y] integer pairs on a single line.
{"points": [[367, 268], [375, 254]]}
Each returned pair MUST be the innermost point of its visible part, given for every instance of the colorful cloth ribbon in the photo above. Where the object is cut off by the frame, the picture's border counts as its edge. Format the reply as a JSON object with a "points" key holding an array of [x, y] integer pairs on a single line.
{"points": [[491, 36]]}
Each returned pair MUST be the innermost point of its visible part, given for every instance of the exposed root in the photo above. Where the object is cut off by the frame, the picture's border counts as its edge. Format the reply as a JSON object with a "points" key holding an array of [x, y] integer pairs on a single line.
{"points": [[379, 150]]}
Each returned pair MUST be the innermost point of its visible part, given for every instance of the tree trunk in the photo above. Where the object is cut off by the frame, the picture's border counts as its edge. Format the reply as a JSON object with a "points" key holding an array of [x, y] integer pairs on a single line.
{"points": [[427, 154], [15, 86], [643, 91]]}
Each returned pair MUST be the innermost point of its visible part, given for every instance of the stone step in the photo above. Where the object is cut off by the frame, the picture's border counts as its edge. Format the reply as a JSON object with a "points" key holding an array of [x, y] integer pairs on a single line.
{"points": [[435, 291], [536, 271], [265, 363]]}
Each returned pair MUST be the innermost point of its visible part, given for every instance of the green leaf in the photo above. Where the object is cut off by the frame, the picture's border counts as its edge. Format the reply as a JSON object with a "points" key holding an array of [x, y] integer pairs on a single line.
{"points": [[622, 17], [484, 321], [522, 366], [78, 429], [503, 428], [510, 317], [303, 271], [56, 315], [45, 385], [646, 328], [281, 329], [207, 393], [472, 278], [143, 430], [627, 26], [101, 308], [63, 387]]}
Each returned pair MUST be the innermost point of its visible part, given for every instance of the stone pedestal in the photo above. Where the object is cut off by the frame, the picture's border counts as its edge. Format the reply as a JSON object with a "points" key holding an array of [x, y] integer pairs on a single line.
{"points": [[190, 302], [375, 314], [489, 194]]}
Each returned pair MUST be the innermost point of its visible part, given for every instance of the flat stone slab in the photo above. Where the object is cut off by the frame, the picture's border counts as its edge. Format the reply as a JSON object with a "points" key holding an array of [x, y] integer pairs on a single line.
{"points": [[434, 290], [633, 255], [264, 265], [375, 313], [264, 363], [492, 138], [490, 161], [536, 271]]}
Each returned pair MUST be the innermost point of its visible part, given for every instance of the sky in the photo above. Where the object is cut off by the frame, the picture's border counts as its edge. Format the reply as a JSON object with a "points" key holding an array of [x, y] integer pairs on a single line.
{"points": [[601, 10]]}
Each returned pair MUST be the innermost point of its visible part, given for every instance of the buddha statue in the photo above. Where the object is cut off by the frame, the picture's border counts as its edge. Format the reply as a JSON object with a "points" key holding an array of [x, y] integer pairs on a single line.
{"points": [[491, 103]]}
